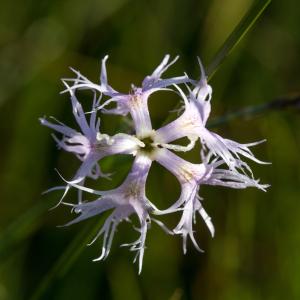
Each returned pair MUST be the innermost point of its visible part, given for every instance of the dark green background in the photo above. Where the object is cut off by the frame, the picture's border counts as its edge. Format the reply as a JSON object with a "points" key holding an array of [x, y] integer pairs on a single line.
{"points": [[255, 253]]}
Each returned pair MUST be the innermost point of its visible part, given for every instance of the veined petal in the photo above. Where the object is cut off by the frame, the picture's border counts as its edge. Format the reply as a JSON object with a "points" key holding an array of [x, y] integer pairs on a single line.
{"points": [[120, 143], [137, 105], [78, 149], [189, 201], [182, 169], [228, 150], [90, 209], [202, 90], [163, 83], [83, 83], [136, 179], [138, 108], [106, 88], [185, 225], [121, 108], [185, 125], [127, 199], [61, 128], [154, 81], [232, 179]]}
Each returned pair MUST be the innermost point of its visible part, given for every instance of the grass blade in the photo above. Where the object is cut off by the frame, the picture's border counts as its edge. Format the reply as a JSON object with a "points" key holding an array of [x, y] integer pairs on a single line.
{"points": [[237, 34]]}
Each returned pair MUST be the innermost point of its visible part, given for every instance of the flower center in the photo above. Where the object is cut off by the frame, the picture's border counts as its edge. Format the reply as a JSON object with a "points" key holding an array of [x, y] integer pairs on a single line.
{"points": [[149, 147]]}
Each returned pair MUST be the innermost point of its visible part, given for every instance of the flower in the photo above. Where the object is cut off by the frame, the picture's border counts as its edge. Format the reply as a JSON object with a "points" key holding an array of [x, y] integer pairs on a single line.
{"points": [[221, 162]]}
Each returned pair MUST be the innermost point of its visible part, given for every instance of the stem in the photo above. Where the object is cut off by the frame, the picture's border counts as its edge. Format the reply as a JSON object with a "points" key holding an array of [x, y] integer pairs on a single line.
{"points": [[277, 104]]}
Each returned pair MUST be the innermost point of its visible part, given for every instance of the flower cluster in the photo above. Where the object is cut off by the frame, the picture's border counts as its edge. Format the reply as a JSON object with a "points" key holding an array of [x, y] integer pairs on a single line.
{"points": [[221, 159]]}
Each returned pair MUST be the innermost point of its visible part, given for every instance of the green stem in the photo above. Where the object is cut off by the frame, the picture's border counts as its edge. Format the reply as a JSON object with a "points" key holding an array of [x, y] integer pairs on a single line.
{"points": [[278, 104]]}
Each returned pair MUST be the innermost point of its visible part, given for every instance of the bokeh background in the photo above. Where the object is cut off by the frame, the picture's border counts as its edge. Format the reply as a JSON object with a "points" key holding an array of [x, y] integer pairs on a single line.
{"points": [[255, 253]]}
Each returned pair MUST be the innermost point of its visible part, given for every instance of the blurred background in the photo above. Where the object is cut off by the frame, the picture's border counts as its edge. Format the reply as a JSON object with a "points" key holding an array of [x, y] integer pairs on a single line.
{"points": [[255, 253]]}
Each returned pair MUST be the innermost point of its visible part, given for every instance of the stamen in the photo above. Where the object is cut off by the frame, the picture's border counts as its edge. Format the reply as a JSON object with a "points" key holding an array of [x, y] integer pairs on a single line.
{"points": [[178, 148]]}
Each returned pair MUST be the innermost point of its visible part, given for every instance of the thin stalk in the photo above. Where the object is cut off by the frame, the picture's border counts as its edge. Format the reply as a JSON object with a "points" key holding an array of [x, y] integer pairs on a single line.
{"points": [[277, 104]]}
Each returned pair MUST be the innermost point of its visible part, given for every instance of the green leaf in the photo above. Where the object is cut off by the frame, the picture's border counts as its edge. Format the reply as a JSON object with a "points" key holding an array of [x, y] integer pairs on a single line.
{"points": [[237, 35]]}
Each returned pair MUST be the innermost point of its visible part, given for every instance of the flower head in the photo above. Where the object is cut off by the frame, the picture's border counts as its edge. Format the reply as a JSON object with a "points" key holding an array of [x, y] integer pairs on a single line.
{"points": [[220, 161]]}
